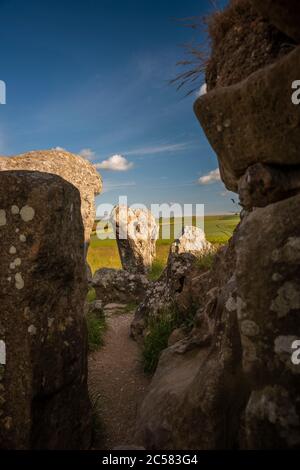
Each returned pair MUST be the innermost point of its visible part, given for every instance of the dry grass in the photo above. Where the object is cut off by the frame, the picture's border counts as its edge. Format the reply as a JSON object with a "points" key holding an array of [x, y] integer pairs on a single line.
{"points": [[220, 22], [213, 28]]}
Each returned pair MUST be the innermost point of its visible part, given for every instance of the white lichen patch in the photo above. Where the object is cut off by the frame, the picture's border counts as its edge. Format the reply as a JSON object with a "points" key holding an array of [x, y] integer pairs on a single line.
{"points": [[2, 217], [15, 263], [288, 298], [275, 404], [27, 213], [32, 330], [2, 353], [19, 281], [283, 344], [15, 210], [249, 328], [277, 277], [231, 304], [12, 250], [22, 238]]}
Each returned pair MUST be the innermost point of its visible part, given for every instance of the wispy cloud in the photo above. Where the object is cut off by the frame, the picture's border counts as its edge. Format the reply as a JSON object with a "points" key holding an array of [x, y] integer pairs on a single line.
{"points": [[152, 150], [212, 177], [87, 153], [115, 163], [115, 186]]}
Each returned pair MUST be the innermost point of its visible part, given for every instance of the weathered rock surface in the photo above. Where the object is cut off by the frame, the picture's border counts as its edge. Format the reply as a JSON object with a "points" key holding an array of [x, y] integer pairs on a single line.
{"points": [[44, 401], [262, 185], [177, 288], [242, 42], [198, 392], [285, 15], [73, 168], [119, 286], [192, 240], [231, 382], [254, 120], [89, 274], [232, 379], [96, 307], [268, 279], [136, 232]]}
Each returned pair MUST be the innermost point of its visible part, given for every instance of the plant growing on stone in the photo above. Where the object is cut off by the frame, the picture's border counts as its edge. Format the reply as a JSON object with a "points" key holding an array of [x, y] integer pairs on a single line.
{"points": [[96, 327], [156, 340]]}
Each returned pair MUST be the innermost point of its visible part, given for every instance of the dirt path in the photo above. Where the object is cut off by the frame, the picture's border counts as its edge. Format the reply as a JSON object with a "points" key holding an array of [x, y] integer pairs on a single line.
{"points": [[117, 384]]}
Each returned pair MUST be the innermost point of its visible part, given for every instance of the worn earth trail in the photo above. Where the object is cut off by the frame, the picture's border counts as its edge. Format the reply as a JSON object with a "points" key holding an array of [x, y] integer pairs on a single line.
{"points": [[117, 384]]}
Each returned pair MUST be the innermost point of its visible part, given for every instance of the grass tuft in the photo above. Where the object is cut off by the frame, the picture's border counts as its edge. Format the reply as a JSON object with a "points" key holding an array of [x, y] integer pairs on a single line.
{"points": [[156, 270], [91, 295], [96, 327], [157, 339], [205, 261]]}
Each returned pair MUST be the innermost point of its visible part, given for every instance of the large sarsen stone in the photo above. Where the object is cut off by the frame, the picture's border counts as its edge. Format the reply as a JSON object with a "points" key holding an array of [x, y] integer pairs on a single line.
{"points": [[254, 120], [73, 168], [44, 401]]}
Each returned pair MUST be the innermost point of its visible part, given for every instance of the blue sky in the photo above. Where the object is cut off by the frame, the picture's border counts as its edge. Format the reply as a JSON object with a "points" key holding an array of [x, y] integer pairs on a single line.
{"points": [[94, 75]]}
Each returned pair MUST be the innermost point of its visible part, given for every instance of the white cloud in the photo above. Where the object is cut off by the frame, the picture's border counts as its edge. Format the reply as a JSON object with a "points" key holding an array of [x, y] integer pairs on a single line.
{"points": [[202, 91], [59, 149], [211, 177], [115, 163], [87, 153]]}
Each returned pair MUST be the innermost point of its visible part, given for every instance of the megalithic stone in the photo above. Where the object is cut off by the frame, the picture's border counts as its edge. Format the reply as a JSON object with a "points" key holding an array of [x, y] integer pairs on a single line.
{"points": [[44, 400], [72, 168], [136, 232]]}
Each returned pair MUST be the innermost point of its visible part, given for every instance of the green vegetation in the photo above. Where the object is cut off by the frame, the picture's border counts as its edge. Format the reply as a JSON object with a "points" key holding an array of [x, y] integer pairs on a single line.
{"points": [[91, 295], [205, 261], [157, 339], [130, 307], [159, 331], [157, 268], [104, 253], [96, 327]]}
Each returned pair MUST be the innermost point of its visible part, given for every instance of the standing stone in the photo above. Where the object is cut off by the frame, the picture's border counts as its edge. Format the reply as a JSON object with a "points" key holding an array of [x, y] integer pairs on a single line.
{"points": [[136, 232], [73, 168], [268, 280], [285, 15], [241, 136], [44, 400], [192, 240], [178, 283], [198, 392]]}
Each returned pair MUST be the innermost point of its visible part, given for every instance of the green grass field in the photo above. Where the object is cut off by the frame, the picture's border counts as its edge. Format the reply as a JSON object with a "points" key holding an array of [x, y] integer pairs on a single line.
{"points": [[104, 253]]}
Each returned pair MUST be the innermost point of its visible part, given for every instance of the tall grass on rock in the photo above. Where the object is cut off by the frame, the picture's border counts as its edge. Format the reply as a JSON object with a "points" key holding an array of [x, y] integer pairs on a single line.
{"points": [[96, 328], [156, 340]]}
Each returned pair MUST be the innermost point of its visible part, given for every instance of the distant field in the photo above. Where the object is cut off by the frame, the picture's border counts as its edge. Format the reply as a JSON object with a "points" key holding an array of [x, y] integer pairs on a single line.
{"points": [[104, 253]]}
